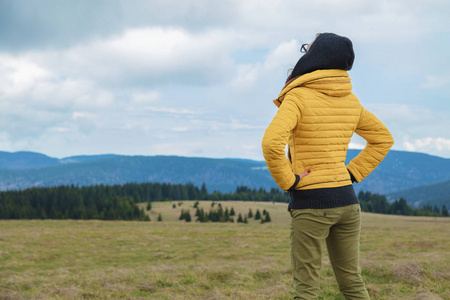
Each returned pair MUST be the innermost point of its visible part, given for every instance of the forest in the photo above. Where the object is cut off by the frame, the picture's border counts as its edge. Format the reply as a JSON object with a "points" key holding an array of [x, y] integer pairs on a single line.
{"points": [[118, 202]]}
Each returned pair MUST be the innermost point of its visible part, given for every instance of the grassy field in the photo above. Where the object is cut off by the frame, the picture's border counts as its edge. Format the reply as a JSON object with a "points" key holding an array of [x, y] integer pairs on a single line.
{"points": [[401, 257]]}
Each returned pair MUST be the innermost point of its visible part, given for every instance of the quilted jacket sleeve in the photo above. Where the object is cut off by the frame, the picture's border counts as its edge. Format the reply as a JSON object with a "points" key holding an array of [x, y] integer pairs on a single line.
{"points": [[274, 142], [379, 141]]}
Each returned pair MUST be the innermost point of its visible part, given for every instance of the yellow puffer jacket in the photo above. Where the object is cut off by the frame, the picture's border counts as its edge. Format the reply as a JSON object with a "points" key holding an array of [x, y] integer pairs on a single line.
{"points": [[317, 116]]}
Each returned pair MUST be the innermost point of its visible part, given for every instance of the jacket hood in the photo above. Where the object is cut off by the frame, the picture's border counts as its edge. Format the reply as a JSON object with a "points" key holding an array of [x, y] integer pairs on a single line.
{"points": [[335, 83]]}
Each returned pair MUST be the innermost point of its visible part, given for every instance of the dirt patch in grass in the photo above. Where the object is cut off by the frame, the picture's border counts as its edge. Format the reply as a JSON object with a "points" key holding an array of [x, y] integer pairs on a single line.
{"points": [[374, 255], [373, 290], [410, 272], [426, 295], [69, 292], [418, 244], [219, 275], [9, 295], [440, 275]]}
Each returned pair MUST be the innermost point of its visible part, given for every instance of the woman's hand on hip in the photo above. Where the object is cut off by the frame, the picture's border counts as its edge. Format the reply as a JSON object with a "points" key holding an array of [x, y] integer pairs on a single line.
{"points": [[306, 173]]}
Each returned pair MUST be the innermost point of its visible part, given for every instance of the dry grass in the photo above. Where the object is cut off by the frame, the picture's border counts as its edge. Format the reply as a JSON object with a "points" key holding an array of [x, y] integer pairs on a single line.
{"points": [[401, 257], [410, 272]]}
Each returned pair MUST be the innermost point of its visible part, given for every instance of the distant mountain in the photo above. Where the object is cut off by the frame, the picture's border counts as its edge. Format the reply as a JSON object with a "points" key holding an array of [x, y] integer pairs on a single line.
{"points": [[399, 171], [402, 170], [218, 174], [84, 158], [25, 160], [436, 194]]}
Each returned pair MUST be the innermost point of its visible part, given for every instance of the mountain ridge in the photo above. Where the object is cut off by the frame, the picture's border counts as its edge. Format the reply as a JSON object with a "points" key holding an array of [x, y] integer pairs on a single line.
{"points": [[399, 171]]}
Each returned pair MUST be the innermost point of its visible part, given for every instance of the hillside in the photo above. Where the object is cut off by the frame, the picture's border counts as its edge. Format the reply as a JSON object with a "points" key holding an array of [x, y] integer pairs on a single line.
{"points": [[399, 171], [434, 194], [218, 174]]}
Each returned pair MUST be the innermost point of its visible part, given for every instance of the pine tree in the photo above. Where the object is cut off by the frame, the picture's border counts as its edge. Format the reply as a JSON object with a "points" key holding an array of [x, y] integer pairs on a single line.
{"points": [[159, 218], [174, 206], [196, 204], [250, 213], [203, 192], [226, 215], [267, 218], [185, 215], [200, 214], [436, 209], [444, 211], [232, 213], [188, 216], [149, 205], [264, 212], [240, 220], [205, 216], [245, 220], [257, 215]]}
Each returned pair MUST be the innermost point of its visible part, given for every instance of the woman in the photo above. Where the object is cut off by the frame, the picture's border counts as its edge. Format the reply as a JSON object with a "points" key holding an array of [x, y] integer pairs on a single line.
{"points": [[316, 118]]}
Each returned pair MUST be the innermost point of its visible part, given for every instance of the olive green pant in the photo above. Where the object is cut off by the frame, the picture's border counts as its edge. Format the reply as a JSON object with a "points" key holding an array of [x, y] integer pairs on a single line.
{"points": [[339, 228]]}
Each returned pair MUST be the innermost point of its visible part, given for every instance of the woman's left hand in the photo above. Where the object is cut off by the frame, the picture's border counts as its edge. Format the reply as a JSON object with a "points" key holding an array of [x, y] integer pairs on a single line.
{"points": [[306, 173]]}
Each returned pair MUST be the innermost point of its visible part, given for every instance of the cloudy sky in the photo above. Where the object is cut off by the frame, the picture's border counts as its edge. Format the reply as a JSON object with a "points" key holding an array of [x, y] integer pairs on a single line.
{"points": [[197, 78]]}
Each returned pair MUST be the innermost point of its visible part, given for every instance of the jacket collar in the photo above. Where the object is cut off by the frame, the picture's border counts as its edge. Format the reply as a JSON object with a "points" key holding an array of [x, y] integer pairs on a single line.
{"points": [[330, 82]]}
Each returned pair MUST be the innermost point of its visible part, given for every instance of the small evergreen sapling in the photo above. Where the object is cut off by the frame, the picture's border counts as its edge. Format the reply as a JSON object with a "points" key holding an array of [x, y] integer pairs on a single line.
{"points": [[232, 213], [258, 215], [240, 220], [267, 218]]}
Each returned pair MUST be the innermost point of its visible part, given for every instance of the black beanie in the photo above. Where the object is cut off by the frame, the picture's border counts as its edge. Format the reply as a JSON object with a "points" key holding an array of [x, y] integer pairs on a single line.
{"points": [[328, 51]]}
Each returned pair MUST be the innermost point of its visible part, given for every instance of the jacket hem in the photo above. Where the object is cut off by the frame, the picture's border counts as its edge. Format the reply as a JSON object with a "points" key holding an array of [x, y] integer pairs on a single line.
{"points": [[323, 198]]}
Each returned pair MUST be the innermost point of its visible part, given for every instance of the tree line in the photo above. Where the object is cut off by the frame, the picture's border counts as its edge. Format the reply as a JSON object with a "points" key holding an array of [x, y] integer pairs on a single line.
{"points": [[118, 202], [378, 204], [69, 202]]}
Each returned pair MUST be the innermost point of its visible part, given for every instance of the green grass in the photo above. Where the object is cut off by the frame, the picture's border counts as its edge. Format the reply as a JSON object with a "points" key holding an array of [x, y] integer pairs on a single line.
{"points": [[401, 257]]}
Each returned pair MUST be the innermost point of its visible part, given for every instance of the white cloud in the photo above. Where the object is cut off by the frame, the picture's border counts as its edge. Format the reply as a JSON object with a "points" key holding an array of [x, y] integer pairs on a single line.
{"points": [[427, 144], [354, 145], [284, 56], [80, 115], [148, 56], [19, 74], [442, 143], [247, 76], [277, 62], [171, 110], [179, 129], [436, 81], [146, 97]]}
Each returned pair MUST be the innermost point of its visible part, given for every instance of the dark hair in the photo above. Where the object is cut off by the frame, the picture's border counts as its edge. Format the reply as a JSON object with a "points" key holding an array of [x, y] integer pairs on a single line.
{"points": [[328, 51]]}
